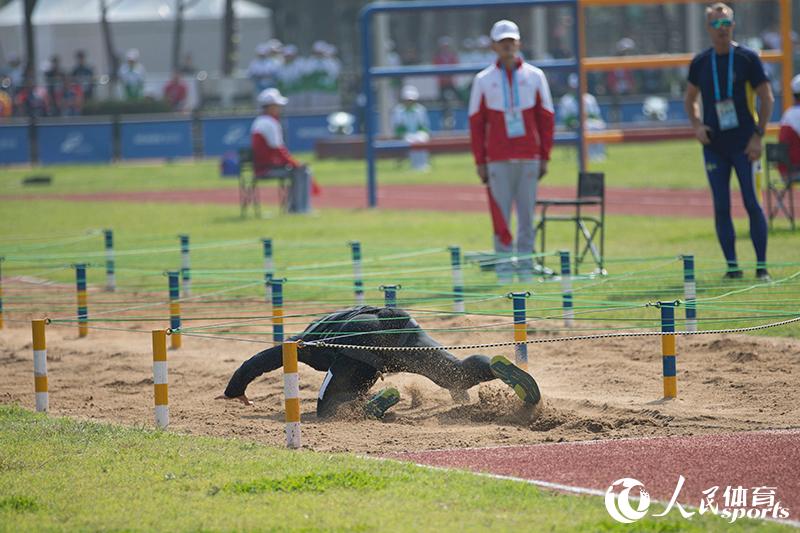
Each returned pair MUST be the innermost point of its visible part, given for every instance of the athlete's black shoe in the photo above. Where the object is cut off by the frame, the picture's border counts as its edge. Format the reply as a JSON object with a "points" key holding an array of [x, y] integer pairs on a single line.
{"points": [[382, 402], [763, 275], [523, 383], [733, 274]]}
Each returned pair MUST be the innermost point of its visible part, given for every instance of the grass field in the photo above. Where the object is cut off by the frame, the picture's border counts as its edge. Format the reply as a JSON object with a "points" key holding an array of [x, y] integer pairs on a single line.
{"points": [[670, 165], [66, 475], [135, 479]]}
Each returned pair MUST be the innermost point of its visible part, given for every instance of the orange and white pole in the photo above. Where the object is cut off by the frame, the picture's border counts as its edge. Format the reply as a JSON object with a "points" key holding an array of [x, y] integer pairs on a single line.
{"points": [[291, 394], [40, 365], [160, 386]]}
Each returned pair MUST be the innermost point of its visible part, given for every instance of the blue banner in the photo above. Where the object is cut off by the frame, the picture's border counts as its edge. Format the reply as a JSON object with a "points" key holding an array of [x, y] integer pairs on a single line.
{"points": [[222, 135], [14, 145], [75, 143], [302, 132], [157, 139]]}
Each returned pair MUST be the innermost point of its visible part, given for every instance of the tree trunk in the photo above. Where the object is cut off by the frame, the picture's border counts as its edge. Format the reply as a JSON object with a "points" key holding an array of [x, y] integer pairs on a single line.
{"points": [[30, 40], [229, 50], [108, 40]]}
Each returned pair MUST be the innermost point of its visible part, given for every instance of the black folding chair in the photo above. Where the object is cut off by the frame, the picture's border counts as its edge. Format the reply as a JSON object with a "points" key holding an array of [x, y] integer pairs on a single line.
{"points": [[248, 184], [780, 197], [589, 227]]}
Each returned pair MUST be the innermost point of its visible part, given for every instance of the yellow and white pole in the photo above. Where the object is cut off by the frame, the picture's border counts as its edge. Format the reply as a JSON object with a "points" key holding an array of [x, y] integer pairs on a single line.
{"points": [[291, 394], [160, 378], [40, 365]]}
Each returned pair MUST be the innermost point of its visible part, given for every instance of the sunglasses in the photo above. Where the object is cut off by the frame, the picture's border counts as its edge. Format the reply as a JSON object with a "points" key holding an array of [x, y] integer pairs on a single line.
{"points": [[721, 23]]}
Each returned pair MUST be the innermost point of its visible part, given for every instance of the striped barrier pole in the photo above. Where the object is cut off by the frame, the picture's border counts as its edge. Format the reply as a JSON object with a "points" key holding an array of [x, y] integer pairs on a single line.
{"points": [[291, 394], [566, 289], [277, 309], [83, 300], [668, 349], [174, 311], [269, 269], [358, 281], [160, 387], [389, 295], [111, 279], [458, 279], [40, 365], [186, 274], [1, 291], [520, 329], [690, 292]]}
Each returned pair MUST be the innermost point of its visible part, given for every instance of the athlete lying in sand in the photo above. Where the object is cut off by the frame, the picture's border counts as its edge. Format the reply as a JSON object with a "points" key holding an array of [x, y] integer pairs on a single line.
{"points": [[352, 372]]}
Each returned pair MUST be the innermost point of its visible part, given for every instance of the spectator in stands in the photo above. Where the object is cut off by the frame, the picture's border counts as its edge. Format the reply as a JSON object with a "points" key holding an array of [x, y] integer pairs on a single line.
{"points": [[270, 152], [30, 100], [16, 73], [263, 69], [511, 122], [70, 99], [83, 74], [728, 77], [620, 81], [410, 122], [54, 81], [175, 92], [132, 76], [291, 75], [6, 103], [790, 133], [322, 75], [445, 55], [568, 112]]}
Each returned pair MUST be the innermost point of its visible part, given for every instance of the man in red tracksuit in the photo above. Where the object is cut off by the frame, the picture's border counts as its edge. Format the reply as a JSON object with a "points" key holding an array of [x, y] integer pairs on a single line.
{"points": [[790, 133], [270, 152], [511, 119]]}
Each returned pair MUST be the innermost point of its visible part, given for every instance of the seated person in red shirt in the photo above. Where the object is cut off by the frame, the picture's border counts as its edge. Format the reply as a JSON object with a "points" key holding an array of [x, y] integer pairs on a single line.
{"points": [[790, 133], [271, 154], [175, 92]]}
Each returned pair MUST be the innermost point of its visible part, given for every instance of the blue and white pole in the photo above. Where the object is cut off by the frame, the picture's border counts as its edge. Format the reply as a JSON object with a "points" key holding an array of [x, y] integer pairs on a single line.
{"points": [[690, 292], [111, 281], [458, 279], [358, 281], [174, 310], [566, 289], [83, 300], [520, 329], [269, 268], [277, 309], [390, 295], [186, 276]]}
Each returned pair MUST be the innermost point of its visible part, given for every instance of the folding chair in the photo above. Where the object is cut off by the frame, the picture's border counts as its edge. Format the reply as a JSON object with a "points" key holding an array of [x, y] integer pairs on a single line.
{"points": [[780, 190], [248, 184], [589, 227]]}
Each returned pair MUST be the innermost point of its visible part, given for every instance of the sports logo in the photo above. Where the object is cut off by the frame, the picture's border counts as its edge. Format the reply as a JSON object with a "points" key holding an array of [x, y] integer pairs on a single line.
{"points": [[619, 505]]}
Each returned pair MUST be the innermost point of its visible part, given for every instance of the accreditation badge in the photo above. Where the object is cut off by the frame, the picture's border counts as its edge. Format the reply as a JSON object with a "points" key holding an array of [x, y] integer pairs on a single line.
{"points": [[515, 126], [726, 114]]}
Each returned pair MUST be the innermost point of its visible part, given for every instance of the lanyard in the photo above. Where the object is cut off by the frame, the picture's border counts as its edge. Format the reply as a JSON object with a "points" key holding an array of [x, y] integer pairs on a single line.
{"points": [[730, 74], [514, 89]]}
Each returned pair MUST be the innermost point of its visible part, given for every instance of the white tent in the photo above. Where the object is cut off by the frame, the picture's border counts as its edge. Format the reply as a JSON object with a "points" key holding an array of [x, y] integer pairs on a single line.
{"points": [[64, 26]]}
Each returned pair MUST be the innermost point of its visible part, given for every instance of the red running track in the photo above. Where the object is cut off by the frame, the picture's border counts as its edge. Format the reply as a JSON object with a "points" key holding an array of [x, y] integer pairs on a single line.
{"points": [[468, 198], [751, 459]]}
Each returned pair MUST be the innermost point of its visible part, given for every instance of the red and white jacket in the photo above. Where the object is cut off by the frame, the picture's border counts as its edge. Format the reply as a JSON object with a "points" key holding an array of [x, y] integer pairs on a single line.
{"points": [[266, 139], [790, 135], [490, 141]]}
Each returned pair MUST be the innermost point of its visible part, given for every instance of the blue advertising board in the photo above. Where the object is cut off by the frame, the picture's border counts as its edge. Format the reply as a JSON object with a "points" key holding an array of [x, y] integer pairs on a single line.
{"points": [[156, 139], [75, 143], [14, 145], [221, 135], [302, 132]]}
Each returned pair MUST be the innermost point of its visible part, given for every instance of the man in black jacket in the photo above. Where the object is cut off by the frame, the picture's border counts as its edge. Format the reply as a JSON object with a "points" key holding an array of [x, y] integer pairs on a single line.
{"points": [[351, 372]]}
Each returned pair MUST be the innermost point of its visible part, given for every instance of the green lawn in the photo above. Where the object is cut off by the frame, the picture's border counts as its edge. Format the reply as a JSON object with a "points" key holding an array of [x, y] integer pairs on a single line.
{"points": [[666, 165], [62, 475]]}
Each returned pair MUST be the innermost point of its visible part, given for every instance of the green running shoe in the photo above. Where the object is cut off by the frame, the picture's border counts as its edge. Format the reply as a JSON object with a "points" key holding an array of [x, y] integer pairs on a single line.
{"points": [[382, 402], [523, 383]]}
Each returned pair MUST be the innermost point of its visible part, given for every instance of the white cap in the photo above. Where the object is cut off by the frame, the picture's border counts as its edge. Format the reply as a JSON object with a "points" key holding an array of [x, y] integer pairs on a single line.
{"points": [[132, 54], [625, 44], [409, 92], [289, 50], [263, 49], [271, 96], [274, 45], [319, 47], [573, 81], [796, 84], [504, 29]]}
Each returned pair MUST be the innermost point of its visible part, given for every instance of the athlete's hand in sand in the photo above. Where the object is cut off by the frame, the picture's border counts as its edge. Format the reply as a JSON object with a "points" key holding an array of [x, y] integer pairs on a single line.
{"points": [[243, 398]]}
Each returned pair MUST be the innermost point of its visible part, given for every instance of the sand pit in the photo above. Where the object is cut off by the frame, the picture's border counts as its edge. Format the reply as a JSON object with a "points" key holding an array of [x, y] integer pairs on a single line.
{"points": [[592, 389]]}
